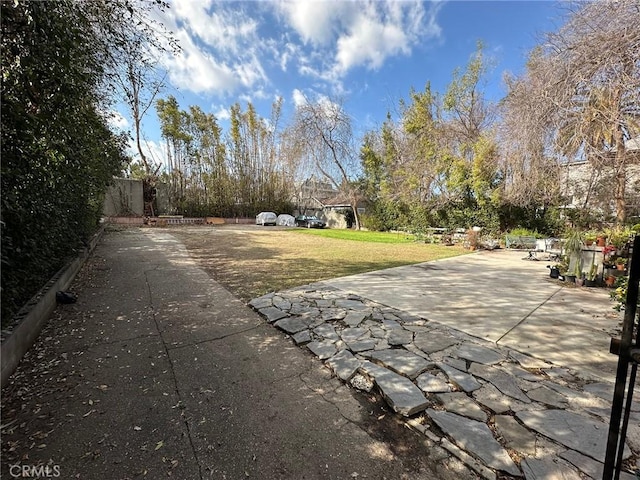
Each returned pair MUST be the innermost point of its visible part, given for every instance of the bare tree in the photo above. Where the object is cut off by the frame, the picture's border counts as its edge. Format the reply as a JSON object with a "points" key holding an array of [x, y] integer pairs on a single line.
{"points": [[530, 167], [323, 129], [591, 68]]}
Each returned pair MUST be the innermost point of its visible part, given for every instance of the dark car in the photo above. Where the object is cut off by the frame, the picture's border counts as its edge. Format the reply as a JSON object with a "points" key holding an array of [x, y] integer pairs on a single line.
{"points": [[309, 221]]}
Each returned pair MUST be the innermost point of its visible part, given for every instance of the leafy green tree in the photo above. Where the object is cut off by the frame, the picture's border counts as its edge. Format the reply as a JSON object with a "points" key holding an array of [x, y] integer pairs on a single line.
{"points": [[58, 153]]}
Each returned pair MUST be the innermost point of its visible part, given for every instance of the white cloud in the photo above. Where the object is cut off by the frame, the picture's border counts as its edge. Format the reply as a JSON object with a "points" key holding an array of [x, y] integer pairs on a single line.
{"points": [[317, 21], [227, 30], [117, 120], [362, 33], [229, 47], [298, 98], [222, 113], [220, 49], [195, 70]]}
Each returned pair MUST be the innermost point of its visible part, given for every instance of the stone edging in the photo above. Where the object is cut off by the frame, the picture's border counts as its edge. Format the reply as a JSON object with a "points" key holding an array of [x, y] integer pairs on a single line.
{"points": [[34, 314]]}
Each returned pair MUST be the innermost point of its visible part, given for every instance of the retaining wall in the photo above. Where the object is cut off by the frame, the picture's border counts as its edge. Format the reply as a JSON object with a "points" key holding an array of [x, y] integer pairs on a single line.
{"points": [[32, 317]]}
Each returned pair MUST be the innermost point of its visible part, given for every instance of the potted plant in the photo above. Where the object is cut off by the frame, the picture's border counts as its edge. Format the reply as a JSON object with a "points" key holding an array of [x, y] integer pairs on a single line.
{"points": [[590, 280], [579, 274], [621, 263], [618, 237], [606, 254], [589, 238], [562, 267], [574, 242], [601, 239]]}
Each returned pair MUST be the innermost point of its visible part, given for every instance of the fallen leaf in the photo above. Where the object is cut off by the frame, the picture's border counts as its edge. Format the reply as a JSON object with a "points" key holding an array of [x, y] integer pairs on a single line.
{"points": [[137, 429], [102, 388], [159, 445]]}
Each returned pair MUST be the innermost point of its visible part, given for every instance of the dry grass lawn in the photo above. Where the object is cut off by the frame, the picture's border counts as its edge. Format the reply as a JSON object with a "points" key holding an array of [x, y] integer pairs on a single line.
{"points": [[251, 261]]}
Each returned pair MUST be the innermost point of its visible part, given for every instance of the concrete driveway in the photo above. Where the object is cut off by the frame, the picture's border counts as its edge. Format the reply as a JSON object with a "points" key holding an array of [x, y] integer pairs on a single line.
{"points": [[502, 298]]}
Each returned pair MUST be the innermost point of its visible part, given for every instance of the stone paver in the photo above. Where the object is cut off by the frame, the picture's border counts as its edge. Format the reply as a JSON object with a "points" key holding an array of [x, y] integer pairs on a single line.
{"points": [[344, 364], [291, 325], [475, 437], [479, 354], [463, 380], [401, 361], [415, 363], [543, 469], [492, 398], [460, 403], [516, 436], [501, 380], [323, 350], [403, 396], [578, 432], [431, 384]]}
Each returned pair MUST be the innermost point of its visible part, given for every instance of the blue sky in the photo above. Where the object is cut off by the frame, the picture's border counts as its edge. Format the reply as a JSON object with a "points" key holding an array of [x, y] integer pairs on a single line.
{"points": [[366, 53]]}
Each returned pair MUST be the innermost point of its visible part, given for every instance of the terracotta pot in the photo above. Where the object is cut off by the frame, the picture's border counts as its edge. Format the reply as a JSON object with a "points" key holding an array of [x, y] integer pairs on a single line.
{"points": [[601, 241], [620, 266], [610, 281]]}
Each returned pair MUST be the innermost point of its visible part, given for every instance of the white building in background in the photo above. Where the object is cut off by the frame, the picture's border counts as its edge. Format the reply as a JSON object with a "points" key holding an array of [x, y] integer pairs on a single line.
{"points": [[589, 186]]}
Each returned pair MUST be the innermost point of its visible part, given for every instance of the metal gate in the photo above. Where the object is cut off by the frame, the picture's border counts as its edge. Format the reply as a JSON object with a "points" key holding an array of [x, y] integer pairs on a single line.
{"points": [[628, 352]]}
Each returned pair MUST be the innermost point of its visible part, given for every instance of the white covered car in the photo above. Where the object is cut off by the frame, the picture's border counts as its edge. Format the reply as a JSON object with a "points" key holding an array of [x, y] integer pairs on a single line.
{"points": [[285, 220], [266, 218]]}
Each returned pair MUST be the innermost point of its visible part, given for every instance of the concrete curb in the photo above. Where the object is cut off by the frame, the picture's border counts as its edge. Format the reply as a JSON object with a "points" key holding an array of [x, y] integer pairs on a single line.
{"points": [[32, 317]]}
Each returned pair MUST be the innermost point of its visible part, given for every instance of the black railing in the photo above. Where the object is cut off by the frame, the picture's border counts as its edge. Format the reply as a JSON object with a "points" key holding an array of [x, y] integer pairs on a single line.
{"points": [[628, 353]]}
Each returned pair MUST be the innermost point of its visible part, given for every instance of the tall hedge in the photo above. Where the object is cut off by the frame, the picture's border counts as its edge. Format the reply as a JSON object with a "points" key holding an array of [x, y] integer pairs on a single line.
{"points": [[58, 153]]}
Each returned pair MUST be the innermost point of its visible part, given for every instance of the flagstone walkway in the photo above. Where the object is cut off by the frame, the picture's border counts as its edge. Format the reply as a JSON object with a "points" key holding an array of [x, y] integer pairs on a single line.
{"points": [[502, 412]]}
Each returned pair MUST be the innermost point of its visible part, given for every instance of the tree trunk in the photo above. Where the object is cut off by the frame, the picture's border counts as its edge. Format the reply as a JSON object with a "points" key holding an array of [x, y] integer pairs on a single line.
{"points": [[621, 181], [356, 216]]}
